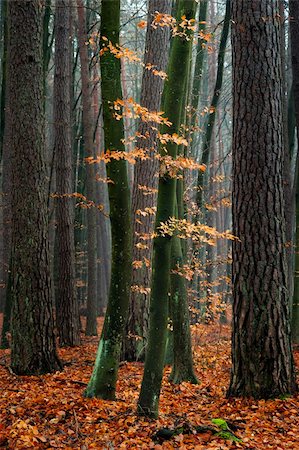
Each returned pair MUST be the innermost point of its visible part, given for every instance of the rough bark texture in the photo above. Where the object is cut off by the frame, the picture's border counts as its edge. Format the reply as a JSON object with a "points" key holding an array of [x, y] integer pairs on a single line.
{"points": [[33, 343], [103, 380], [88, 127], [174, 92], [146, 174], [294, 32], [261, 344], [67, 315]]}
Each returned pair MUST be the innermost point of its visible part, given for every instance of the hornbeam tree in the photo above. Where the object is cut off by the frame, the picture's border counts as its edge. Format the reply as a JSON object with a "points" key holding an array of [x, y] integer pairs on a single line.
{"points": [[261, 342]]}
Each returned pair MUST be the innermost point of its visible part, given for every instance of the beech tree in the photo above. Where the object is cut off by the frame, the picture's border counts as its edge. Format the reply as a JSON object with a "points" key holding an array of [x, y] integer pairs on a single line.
{"points": [[174, 96], [261, 342], [33, 349], [103, 380]]}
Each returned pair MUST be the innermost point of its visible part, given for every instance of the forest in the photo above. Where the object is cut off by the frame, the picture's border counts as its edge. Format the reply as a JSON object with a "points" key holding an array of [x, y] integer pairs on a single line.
{"points": [[149, 224]]}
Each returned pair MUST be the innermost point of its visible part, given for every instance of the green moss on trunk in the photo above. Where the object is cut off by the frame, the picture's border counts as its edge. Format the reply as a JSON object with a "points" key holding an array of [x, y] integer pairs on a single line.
{"points": [[174, 95], [104, 377]]}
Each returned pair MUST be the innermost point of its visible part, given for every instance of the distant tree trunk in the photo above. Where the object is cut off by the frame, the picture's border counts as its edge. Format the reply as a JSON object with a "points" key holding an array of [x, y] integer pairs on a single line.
{"points": [[294, 32], [67, 314], [146, 175], [174, 93], [261, 345], [214, 103], [198, 73], [88, 127], [182, 348], [103, 380], [33, 349]]}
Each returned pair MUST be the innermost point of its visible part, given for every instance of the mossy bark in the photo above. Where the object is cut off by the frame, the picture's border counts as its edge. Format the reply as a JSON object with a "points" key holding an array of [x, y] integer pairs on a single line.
{"points": [[103, 380], [174, 95]]}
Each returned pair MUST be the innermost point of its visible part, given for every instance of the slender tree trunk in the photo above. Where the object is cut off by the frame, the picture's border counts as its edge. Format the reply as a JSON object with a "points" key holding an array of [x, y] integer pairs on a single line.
{"points": [[145, 185], [33, 341], [174, 97], [67, 314], [103, 380], [88, 127], [261, 345], [214, 103], [182, 348]]}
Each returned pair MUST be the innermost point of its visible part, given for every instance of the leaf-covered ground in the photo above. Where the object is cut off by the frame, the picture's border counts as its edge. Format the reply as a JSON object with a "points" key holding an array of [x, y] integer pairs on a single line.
{"points": [[49, 412]]}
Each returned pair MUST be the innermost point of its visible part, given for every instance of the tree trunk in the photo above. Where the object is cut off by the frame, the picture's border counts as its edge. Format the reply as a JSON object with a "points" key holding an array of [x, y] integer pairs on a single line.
{"points": [[67, 314], [146, 174], [174, 93], [294, 32], [182, 348], [88, 127], [33, 349], [261, 345], [214, 104], [103, 380]]}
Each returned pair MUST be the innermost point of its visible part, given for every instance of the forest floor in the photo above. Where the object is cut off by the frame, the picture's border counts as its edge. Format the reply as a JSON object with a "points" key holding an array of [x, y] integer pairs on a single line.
{"points": [[49, 412]]}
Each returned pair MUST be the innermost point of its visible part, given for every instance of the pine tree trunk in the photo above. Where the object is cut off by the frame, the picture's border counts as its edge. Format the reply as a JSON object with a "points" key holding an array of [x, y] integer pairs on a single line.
{"points": [[88, 127], [67, 314], [33, 342], [103, 380], [294, 32], [146, 174], [261, 345], [174, 93]]}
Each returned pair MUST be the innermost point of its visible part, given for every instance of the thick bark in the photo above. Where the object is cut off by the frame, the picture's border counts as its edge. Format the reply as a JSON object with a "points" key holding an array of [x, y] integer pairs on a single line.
{"points": [[103, 380], [294, 32], [5, 167], [261, 345], [33, 348], [67, 315], [174, 95], [146, 174], [88, 127]]}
